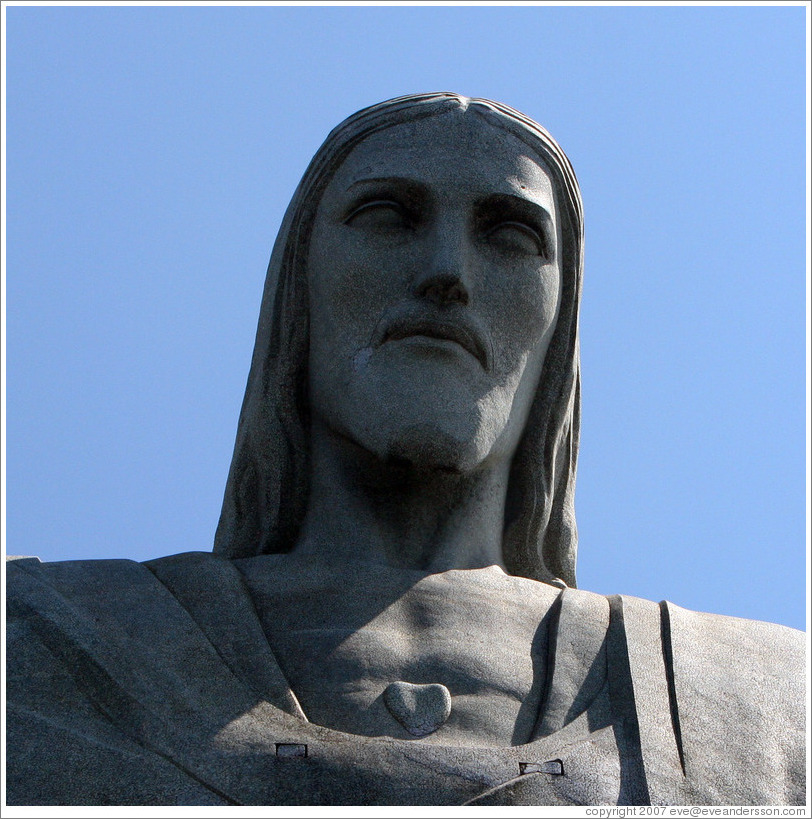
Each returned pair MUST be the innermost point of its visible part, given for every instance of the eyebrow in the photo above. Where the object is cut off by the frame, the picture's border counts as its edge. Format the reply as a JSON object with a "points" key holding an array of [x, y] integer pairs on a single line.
{"points": [[415, 186], [404, 181], [522, 205]]}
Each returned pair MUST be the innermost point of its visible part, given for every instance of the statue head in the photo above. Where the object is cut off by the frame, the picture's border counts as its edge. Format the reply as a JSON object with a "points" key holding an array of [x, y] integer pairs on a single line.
{"points": [[516, 343]]}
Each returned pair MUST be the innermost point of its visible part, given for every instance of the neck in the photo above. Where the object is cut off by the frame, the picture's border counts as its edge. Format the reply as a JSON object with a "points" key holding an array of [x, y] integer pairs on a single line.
{"points": [[398, 514]]}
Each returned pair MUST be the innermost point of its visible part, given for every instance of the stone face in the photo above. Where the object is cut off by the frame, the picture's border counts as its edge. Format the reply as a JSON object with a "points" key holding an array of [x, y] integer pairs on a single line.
{"points": [[434, 286], [423, 296], [389, 617]]}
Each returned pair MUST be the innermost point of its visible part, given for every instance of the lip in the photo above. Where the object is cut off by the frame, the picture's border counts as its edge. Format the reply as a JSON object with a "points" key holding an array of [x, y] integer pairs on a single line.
{"points": [[460, 332]]}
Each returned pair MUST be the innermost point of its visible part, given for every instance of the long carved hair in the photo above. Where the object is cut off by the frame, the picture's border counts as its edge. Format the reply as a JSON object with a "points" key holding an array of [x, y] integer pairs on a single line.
{"points": [[267, 491]]}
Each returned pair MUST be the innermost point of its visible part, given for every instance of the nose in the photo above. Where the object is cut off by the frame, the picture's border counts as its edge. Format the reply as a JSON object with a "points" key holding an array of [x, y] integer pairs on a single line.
{"points": [[443, 279], [443, 288]]}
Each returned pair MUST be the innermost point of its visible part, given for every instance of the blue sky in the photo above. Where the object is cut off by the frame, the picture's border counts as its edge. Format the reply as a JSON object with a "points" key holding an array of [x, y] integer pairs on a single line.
{"points": [[151, 152]]}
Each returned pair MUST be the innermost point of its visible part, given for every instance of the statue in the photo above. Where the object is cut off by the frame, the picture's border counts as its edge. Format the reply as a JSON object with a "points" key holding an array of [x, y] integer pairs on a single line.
{"points": [[390, 613]]}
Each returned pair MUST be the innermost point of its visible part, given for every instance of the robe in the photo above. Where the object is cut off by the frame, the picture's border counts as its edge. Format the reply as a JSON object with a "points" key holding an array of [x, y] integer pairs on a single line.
{"points": [[154, 684]]}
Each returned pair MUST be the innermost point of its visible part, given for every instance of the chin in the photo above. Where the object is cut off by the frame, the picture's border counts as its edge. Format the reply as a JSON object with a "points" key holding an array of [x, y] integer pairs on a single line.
{"points": [[429, 423], [427, 446]]}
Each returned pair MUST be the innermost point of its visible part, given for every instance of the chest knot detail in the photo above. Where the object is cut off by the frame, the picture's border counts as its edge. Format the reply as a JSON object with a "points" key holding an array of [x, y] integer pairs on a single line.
{"points": [[420, 709]]}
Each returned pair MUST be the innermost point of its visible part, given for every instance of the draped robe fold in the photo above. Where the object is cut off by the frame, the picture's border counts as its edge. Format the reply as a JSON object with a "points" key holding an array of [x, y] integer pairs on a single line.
{"points": [[154, 684]]}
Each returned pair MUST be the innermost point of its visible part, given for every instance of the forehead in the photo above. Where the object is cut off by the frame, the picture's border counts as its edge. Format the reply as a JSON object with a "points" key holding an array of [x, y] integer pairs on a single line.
{"points": [[450, 152]]}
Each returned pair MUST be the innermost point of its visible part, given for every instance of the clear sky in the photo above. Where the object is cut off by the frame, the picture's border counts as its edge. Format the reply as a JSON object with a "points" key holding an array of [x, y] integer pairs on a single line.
{"points": [[151, 152]]}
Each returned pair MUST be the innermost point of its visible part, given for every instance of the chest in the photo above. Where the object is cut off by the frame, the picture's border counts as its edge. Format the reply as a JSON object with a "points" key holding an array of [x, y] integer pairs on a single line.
{"points": [[432, 662]]}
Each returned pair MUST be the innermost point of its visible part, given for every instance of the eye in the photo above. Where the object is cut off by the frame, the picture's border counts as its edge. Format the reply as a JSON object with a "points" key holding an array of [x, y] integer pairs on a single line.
{"points": [[382, 215], [517, 237]]}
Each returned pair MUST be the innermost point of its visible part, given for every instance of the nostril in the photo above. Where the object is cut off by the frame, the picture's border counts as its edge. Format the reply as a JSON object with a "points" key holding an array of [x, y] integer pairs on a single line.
{"points": [[445, 290], [458, 293]]}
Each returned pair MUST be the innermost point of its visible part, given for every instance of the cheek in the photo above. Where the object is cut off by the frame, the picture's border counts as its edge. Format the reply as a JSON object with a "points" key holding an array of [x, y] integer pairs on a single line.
{"points": [[525, 312], [349, 290]]}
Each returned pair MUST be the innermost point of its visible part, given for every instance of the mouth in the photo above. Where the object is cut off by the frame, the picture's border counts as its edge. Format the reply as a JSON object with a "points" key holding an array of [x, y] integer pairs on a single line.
{"points": [[465, 336]]}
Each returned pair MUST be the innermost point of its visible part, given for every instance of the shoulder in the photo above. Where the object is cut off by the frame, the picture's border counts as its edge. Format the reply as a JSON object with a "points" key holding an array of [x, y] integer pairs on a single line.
{"points": [[117, 671], [736, 694], [754, 671], [738, 645], [109, 589], [92, 609]]}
